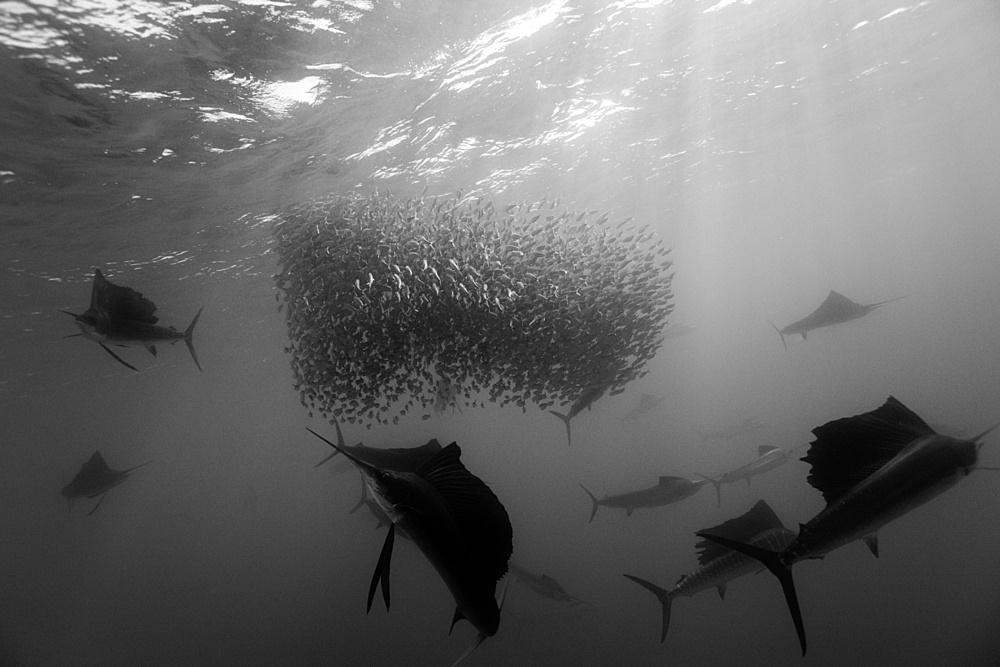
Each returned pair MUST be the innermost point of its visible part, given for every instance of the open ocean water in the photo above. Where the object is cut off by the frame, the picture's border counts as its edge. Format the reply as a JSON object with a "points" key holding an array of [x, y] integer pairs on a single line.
{"points": [[781, 149]]}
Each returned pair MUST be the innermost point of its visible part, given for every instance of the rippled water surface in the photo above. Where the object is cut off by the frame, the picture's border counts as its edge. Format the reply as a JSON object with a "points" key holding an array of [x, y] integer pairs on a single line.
{"points": [[782, 149]]}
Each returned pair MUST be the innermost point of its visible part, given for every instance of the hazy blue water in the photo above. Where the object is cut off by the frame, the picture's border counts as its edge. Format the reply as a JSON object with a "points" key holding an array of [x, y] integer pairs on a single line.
{"points": [[781, 149]]}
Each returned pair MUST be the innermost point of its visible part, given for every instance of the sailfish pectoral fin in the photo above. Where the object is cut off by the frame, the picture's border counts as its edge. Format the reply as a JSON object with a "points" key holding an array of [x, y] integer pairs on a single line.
{"points": [[772, 560], [117, 358], [382, 569], [871, 541]]}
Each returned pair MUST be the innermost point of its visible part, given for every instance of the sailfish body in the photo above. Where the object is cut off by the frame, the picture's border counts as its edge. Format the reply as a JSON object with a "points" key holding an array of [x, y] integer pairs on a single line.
{"points": [[871, 469], [123, 317], [835, 309], [95, 479], [719, 565], [457, 523], [668, 490]]}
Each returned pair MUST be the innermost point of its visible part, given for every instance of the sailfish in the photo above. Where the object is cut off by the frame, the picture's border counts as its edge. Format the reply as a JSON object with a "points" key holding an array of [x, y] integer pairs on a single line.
{"points": [[95, 478], [455, 520], [667, 490], [718, 565], [871, 468], [836, 309], [123, 317]]}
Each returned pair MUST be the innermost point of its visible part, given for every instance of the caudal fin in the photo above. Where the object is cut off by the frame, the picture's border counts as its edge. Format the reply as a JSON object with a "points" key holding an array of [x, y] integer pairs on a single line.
{"points": [[771, 560], [565, 418], [783, 344], [189, 341], [594, 500], [663, 595]]}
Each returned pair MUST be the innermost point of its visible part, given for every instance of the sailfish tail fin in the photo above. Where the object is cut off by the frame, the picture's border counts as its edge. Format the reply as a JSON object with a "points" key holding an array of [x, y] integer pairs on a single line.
{"points": [[783, 344], [594, 500], [663, 595], [771, 560], [188, 337], [566, 419]]}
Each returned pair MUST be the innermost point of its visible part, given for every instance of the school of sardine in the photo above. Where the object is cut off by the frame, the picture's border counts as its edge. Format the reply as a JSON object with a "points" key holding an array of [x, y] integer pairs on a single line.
{"points": [[385, 298]]}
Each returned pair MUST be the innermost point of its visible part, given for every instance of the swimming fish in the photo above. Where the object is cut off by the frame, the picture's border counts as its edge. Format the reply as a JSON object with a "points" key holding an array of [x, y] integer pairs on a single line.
{"points": [[542, 585], [768, 458], [668, 490], [457, 523], [836, 309], [584, 402], [95, 479], [647, 402], [718, 565], [871, 468], [123, 317]]}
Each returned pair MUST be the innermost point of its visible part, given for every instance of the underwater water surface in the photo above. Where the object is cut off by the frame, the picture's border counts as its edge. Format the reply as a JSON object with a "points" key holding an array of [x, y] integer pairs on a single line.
{"points": [[781, 150]]}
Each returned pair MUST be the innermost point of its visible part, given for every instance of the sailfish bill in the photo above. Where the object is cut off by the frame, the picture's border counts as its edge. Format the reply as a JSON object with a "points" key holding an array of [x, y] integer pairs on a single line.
{"points": [[871, 468], [454, 519]]}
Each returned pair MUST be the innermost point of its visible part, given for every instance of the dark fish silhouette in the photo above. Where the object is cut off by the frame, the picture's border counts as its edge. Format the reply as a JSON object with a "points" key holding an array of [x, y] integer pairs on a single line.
{"points": [[95, 479], [586, 400], [768, 458], [668, 490], [455, 520], [718, 565], [542, 585], [836, 309], [404, 459], [123, 317], [647, 402], [871, 469]]}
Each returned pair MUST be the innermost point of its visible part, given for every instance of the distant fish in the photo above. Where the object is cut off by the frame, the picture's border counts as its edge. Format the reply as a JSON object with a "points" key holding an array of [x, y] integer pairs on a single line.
{"points": [[836, 309], [542, 585], [455, 520], [677, 330], [668, 490], [871, 469], [647, 403], [719, 565], [586, 400], [445, 395], [745, 427], [123, 317], [95, 479], [768, 458]]}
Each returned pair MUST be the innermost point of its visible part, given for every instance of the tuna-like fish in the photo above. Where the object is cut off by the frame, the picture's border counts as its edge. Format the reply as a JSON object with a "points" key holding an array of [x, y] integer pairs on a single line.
{"points": [[95, 478], [668, 490], [768, 458], [123, 317], [719, 565], [586, 400], [542, 585], [871, 469], [457, 523], [836, 309], [647, 403]]}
